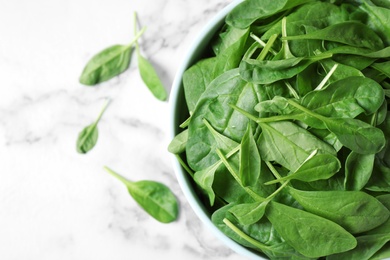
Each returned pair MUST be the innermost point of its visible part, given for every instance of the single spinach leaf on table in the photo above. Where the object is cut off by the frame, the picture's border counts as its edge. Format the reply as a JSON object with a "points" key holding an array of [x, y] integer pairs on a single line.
{"points": [[311, 235], [150, 78], [154, 197], [88, 137], [108, 63], [147, 72]]}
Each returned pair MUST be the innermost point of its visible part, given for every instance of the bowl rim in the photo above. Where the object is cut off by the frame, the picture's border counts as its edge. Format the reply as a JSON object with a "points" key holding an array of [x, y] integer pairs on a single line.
{"points": [[184, 183]]}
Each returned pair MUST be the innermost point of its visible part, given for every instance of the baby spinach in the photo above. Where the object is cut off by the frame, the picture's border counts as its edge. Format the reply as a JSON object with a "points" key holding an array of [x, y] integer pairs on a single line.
{"points": [[250, 11], [108, 63], [288, 134], [178, 144], [356, 211], [350, 33], [148, 73], [358, 170], [114, 60], [88, 137], [250, 161], [318, 167], [302, 229], [154, 197]]}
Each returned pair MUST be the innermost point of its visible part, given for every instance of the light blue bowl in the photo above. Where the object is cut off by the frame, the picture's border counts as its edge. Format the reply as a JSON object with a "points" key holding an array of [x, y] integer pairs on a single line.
{"points": [[178, 113]]}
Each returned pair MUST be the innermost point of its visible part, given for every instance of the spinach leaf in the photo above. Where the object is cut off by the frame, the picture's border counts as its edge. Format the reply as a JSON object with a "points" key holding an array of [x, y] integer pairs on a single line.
{"points": [[88, 137], [231, 51], [346, 98], [288, 144], [269, 71], [178, 144], [355, 211], [352, 133], [260, 234], [150, 77], [214, 107], [366, 247], [108, 63], [318, 167], [358, 170], [193, 87], [249, 213], [382, 67], [378, 19], [205, 178], [351, 33], [247, 12], [250, 161], [305, 231], [154, 197]]}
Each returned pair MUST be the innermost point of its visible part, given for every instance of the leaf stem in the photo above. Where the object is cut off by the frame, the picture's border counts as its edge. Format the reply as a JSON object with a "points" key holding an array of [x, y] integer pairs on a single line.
{"points": [[273, 170], [285, 46], [267, 48], [136, 37], [323, 82], [135, 31], [263, 44], [245, 236], [253, 194], [102, 111], [185, 166], [307, 111], [118, 176], [291, 89], [258, 119]]}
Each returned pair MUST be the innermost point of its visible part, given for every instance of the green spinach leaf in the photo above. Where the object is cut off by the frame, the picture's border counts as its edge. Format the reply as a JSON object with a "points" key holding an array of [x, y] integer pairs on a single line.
{"points": [[154, 197]]}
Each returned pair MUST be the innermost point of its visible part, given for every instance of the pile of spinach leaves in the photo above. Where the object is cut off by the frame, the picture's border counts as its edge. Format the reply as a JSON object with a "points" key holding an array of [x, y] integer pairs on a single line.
{"points": [[288, 132]]}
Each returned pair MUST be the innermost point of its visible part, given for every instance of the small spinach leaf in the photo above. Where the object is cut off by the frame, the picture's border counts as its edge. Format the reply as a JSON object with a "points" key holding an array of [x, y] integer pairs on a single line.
{"points": [[305, 231], [154, 197], [88, 137], [108, 63]]}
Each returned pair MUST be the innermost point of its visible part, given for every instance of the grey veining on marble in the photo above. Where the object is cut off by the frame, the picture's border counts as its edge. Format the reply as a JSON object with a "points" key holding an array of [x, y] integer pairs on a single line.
{"points": [[56, 203]]}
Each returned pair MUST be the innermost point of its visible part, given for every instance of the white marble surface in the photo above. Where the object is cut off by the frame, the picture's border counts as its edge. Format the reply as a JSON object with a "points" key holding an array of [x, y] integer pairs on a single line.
{"points": [[54, 202]]}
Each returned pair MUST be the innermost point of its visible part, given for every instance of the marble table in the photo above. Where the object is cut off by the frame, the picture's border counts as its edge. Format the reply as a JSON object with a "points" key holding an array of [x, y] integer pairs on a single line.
{"points": [[56, 203]]}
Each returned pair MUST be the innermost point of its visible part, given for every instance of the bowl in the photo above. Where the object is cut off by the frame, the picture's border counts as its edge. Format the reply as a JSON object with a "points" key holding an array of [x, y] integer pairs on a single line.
{"points": [[304, 124], [177, 116]]}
